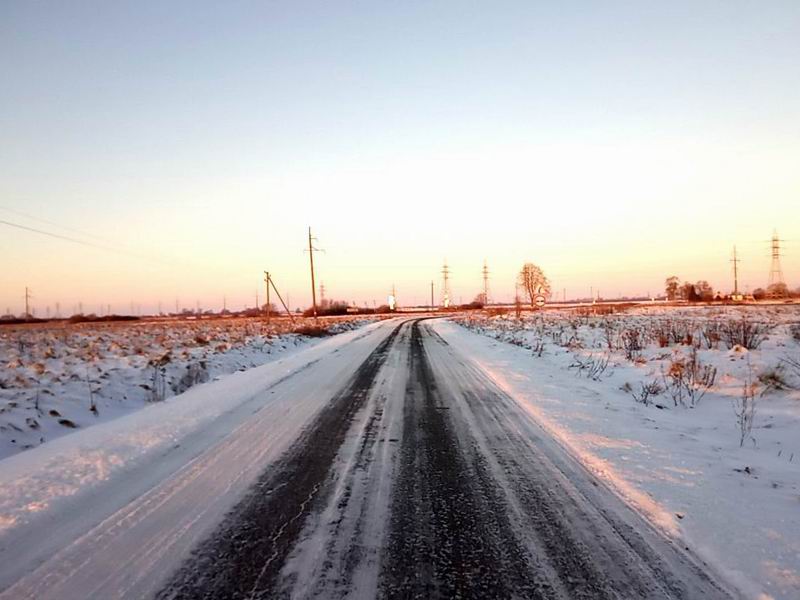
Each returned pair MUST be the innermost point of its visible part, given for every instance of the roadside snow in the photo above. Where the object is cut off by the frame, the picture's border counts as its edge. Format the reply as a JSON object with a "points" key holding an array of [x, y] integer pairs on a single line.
{"points": [[681, 466]]}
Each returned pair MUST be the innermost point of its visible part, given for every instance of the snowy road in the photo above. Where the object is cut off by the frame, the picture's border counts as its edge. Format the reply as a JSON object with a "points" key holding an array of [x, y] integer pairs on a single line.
{"points": [[401, 470]]}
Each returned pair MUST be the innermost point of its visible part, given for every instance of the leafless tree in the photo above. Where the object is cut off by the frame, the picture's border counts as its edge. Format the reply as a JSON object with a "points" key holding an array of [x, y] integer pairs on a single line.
{"points": [[533, 282]]}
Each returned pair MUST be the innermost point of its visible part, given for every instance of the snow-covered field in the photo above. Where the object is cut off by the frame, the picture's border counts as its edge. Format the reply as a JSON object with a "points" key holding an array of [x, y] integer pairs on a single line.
{"points": [[658, 402], [56, 378]]}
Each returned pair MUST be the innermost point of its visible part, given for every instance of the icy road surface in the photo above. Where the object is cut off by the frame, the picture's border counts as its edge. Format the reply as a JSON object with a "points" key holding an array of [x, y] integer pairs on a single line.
{"points": [[388, 466]]}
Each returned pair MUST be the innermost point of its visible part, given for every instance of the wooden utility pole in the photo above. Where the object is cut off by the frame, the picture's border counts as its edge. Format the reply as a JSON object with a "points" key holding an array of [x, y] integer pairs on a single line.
{"points": [[431, 295], [270, 282], [313, 285], [266, 282], [27, 302]]}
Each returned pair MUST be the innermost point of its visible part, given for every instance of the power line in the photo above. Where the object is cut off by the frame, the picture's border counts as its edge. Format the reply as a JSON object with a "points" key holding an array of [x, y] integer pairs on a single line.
{"points": [[57, 236], [53, 223], [73, 240]]}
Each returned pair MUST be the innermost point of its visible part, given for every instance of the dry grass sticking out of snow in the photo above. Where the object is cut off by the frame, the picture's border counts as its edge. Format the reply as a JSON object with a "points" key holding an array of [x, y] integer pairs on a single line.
{"points": [[57, 377]]}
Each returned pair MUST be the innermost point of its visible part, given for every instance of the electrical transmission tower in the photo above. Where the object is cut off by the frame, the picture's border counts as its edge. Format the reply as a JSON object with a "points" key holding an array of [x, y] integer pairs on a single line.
{"points": [[776, 288], [322, 302], [735, 262], [445, 285], [485, 272]]}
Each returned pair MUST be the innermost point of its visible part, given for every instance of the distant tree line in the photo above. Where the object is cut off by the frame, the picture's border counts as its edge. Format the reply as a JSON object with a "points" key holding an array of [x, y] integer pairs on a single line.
{"points": [[701, 291]]}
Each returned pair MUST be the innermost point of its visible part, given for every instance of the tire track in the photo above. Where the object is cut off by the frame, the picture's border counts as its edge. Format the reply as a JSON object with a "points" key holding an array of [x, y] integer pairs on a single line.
{"points": [[339, 549], [449, 533], [243, 559]]}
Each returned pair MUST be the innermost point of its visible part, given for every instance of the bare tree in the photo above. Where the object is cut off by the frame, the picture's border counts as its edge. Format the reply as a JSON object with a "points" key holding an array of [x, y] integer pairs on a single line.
{"points": [[671, 286], [704, 290], [533, 282], [778, 290]]}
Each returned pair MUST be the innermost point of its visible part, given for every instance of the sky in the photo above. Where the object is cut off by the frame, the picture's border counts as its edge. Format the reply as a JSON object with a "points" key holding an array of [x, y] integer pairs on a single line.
{"points": [[189, 146]]}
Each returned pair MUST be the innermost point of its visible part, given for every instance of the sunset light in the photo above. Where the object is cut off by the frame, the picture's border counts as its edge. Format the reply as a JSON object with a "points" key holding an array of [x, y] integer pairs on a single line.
{"points": [[387, 300]]}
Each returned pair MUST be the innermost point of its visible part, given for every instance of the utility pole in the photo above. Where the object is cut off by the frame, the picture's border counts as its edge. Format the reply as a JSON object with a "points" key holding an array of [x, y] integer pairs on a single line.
{"points": [[270, 282], [431, 295], [322, 295], [311, 251], [27, 302], [266, 283], [735, 262]]}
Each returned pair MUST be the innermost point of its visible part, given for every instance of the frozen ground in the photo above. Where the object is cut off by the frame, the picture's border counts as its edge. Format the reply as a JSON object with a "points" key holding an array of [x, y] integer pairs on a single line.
{"points": [[679, 461], [58, 378], [415, 457], [384, 462]]}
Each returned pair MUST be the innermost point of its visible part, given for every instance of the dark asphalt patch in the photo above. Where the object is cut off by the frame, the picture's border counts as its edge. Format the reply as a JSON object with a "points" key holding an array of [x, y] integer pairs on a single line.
{"points": [[449, 534]]}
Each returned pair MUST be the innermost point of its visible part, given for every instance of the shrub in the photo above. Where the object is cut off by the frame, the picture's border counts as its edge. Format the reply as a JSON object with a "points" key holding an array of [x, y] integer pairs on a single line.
{"points": [[647, 390], [711, 334], [773, 379], [687, 378], [632, 344], [744, 333], [744, 407], [593, 368]]}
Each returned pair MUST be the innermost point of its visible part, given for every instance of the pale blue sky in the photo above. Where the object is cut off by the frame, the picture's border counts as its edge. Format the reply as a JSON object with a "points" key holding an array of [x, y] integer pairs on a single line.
{"points": [[614, 143]]}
